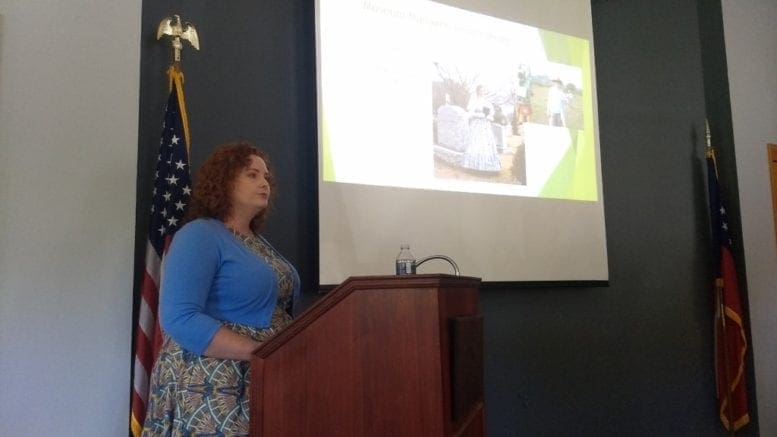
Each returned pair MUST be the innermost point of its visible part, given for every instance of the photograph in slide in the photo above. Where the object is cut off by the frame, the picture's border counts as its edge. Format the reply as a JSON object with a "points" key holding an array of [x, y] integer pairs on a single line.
{"points": [[480, 128]]}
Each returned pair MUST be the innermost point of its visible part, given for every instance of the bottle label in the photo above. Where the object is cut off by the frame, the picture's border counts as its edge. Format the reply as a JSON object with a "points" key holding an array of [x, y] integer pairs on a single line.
{"points": [[405, 267]]}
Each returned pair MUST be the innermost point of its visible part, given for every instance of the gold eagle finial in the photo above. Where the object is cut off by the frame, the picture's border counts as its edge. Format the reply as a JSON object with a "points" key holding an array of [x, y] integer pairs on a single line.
{"points": [[172, 26]]}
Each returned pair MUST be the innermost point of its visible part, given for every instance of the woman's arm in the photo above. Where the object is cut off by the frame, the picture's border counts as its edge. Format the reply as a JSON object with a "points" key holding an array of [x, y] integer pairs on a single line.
{"points": [[190, 267]]}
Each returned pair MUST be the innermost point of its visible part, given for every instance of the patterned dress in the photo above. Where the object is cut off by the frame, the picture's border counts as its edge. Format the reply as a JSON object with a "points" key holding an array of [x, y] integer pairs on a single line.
{"points": [[481, 153], [196, 395]]}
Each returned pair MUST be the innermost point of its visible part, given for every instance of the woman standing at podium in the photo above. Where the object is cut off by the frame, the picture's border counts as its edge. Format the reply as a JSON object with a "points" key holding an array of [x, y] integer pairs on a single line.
{"points": [[225, 290]]}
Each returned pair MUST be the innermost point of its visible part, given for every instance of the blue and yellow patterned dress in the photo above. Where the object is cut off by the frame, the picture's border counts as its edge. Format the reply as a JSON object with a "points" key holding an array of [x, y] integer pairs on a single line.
{"points": [[196, 395]]}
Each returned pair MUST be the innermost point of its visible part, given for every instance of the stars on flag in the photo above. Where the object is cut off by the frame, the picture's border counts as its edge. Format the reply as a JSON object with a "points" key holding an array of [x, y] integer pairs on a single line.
{"points": [[723, 235], [172, 181]]}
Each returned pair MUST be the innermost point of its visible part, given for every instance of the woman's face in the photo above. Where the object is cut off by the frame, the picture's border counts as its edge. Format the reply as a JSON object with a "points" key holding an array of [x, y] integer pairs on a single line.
{"points": [[252, 189]]}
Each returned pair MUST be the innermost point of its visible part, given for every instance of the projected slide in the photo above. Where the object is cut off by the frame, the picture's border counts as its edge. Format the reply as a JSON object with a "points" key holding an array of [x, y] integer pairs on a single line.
{"points": [[415, 94]]}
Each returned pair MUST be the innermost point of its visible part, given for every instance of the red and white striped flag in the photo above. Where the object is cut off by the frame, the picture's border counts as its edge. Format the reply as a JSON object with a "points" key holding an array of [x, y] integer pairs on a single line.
{"points": [[172, 191]]}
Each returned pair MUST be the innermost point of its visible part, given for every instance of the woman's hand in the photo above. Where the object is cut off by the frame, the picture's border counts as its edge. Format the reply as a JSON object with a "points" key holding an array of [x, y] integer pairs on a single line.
{"points": [[227, 344]]}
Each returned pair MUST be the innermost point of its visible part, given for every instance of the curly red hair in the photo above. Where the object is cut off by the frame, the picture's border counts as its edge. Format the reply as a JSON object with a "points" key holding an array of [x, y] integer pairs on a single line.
{"points": [[215, 181]]}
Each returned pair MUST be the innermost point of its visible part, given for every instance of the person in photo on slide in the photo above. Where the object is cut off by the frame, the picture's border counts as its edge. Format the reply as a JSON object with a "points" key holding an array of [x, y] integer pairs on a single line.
{"points": [[481, 153]]}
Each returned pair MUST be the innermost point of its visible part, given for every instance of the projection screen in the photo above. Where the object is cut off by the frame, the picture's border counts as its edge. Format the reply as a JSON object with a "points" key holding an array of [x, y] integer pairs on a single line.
{"points": [[462, 128]]}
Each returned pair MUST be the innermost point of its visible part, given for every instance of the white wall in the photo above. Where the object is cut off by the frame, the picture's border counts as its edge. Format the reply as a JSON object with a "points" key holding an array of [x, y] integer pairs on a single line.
{"points": [[751, 50], [69, 80]]}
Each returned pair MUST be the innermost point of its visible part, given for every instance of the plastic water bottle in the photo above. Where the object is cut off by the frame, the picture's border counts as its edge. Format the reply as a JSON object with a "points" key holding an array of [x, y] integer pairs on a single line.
{"points": [[405, 261]]}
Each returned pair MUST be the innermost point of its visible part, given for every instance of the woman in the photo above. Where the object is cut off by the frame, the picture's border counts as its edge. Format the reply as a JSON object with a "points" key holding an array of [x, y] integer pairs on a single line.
{"points": [[481, 153], [224, 292]]}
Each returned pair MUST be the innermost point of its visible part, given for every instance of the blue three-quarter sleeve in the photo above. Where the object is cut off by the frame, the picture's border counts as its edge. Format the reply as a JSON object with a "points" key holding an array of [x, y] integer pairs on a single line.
{"points": [[190, 267]]}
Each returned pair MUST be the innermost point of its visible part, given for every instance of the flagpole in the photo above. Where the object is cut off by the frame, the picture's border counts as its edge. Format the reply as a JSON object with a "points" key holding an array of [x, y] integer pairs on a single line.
{"points": [[721, 310], [178, 32], [148, 337]]}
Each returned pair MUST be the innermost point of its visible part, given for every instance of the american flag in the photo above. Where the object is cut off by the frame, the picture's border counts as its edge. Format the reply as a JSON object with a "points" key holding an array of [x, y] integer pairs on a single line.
{"points": [[172, 191], [730, 338]]}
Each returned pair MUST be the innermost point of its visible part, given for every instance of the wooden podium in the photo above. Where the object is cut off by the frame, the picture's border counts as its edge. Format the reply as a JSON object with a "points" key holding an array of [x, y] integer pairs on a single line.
{"points": [[377, 356]]}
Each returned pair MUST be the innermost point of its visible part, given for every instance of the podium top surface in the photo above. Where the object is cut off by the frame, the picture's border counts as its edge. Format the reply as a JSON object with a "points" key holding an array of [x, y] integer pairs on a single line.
{"points": [[390, 281]]}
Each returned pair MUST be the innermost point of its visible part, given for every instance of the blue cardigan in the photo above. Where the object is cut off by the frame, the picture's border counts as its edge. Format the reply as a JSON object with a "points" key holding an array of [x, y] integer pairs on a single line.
{"points": [[209, 276]]}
